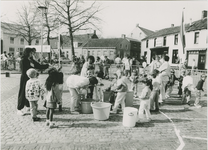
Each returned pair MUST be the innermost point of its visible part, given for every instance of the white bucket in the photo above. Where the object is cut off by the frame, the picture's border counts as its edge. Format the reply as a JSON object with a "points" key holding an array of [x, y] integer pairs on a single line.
{"points": [[130, 116], [101, 110]]}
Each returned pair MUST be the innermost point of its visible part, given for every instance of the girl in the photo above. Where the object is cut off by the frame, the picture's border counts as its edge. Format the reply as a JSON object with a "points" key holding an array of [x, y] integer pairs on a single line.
{"points": [[134, 80], [144, 99], [53, 96], [155, 91]]}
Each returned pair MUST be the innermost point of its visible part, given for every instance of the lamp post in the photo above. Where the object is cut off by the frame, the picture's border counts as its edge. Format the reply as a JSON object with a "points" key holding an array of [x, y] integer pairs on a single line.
{"points": [[43, 11]]}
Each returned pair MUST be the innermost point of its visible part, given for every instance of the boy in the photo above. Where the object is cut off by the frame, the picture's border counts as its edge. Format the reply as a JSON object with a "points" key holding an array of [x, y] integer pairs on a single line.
{"points": [[33, 92], [170, 83], [90, 73], [198, 89], [134, 81], [187, 87], [121, 89]]}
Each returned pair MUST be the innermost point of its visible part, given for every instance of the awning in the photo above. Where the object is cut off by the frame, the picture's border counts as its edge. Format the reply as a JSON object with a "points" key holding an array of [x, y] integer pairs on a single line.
{"points": [[155, 48]]}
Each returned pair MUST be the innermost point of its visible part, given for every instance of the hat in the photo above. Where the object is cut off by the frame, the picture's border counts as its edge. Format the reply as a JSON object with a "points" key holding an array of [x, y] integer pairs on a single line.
{"points": [[31, 73]]}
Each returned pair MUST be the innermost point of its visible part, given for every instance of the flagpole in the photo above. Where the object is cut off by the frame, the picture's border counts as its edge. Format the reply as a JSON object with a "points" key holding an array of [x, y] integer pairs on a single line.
{"points": [[59, 44], [182, 34]]}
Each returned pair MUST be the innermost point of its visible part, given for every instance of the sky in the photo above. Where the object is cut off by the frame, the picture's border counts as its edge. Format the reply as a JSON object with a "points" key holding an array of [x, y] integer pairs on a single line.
{"points": [[121, 17]]}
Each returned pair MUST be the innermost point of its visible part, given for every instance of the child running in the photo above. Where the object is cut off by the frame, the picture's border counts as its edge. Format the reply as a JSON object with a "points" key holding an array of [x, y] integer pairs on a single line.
{"points": [[170, 83], [33, 92], [144, 100], [53, 96]]}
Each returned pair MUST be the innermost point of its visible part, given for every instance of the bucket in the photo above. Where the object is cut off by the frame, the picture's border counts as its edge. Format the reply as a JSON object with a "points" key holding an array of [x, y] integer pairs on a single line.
{"points": [[86, 106], [130, 116], [106, 96], [101, 110], [129, 99]]}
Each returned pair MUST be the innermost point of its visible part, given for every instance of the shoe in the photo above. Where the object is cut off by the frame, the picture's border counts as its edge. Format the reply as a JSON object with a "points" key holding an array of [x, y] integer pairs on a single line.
{"points": [[27, 110], [47, 123], [152, 110], [52, 125], [135, 96], [189, 103], [113, 112], [19, 112], [36, 119], [197, 106]]}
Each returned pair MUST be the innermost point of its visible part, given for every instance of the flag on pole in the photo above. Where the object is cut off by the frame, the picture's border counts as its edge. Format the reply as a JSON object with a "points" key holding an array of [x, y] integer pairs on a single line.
{"points": [[182, 33]]}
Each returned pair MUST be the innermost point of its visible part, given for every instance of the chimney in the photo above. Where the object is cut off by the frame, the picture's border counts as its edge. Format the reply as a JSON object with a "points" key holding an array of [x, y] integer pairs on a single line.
{"points": [[172, 25], [137, 25], [123, 36], [204, 14], [190, 21], [94, 32]]}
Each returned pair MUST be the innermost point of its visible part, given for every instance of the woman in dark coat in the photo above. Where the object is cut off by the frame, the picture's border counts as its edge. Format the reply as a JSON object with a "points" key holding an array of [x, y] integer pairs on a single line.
{"points": [[25, 64]]}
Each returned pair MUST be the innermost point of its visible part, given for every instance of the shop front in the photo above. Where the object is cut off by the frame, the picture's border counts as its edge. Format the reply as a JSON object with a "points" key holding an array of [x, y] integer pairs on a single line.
{"points": [[159, 51], [199, 55]]}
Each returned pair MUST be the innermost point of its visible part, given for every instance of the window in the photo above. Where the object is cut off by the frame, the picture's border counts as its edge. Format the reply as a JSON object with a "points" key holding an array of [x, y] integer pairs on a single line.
{"points": [[36, 42], [79, 44], [164, 41], [11, 50], [98, 53], [175, 58], [196, 38], [11, 40], [21, 49], [176, 40], [22, 41], [120, 45], [147, 43], [155, 42]]}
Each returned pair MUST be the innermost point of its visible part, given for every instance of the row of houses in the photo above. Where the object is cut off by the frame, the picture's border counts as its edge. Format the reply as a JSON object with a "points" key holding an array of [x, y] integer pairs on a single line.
{"points": [[140, 42]]}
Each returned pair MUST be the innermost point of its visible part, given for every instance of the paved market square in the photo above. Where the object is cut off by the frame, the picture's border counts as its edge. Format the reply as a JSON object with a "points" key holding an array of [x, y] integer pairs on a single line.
{"points": [[172, 128]]}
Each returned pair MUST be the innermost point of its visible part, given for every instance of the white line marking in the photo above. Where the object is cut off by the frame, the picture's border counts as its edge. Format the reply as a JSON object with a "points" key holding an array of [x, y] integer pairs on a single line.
{"points": [[189, 118], [197, 138], [177, 132]]}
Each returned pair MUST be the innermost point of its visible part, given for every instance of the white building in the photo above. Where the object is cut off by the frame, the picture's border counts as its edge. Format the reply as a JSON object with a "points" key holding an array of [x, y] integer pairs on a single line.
{"points": [[11, 41], [167, 41]]}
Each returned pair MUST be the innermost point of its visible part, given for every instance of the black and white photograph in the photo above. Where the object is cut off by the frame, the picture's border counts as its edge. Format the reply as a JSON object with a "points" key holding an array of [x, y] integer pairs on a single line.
{"points": [[103, 75]]}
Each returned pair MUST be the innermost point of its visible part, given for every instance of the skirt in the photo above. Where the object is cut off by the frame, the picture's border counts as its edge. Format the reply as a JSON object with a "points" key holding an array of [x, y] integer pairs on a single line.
{"points": [[51, 105]]}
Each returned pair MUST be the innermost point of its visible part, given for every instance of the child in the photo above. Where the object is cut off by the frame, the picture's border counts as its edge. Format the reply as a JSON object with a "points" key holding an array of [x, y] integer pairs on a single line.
{"points": [[134, 80], [144, 100], [170, 83], [53, 96], [121, 89], [198, 90], [156, 82], [90, 73], [187, 85], [180, 81], [33, 92]]}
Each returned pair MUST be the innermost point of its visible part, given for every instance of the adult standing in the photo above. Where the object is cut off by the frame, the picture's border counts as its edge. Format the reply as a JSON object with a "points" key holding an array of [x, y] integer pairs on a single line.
{"points": [[25, 64], [4, 57], [127, 67], [193, 66], [117, 60], [164, 74]]}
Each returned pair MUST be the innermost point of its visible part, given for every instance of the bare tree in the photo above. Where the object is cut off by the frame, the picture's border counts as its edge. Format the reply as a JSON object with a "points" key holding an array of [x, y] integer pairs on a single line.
{"points": [[26, 25], [76, 15], [51, 22]]}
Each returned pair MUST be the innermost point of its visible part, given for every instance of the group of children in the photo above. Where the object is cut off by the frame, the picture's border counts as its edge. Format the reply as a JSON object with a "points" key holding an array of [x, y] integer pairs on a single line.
{"points": [[51, 92], [149, 98]]}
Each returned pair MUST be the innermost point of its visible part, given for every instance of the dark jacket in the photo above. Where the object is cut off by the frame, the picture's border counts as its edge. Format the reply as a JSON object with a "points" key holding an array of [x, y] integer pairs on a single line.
{"points": [[200, 85]]}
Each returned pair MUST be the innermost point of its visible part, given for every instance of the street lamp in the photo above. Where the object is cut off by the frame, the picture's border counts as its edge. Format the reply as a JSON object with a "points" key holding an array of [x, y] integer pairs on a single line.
{"points": [[43, 11]]}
